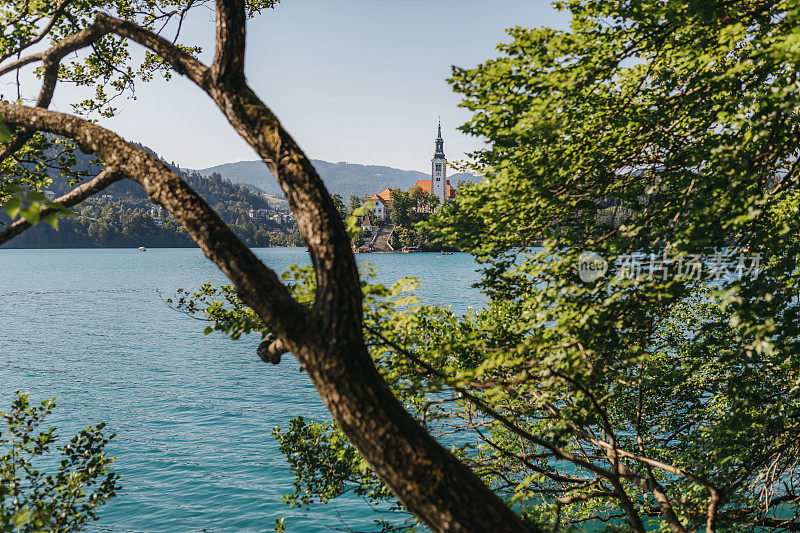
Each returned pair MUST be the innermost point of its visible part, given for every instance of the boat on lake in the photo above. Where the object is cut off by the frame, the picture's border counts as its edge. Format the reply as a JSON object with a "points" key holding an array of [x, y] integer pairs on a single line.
{"points": [[142, 249]]}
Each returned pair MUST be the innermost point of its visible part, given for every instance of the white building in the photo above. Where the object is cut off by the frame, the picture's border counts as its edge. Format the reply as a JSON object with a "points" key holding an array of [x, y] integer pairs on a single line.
{"points": [[378, 204], [439, 185], [366, 226]]}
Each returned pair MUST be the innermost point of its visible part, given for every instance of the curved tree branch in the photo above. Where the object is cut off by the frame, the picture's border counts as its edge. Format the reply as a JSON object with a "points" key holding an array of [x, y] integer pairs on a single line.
{"points": [[19, 63]]}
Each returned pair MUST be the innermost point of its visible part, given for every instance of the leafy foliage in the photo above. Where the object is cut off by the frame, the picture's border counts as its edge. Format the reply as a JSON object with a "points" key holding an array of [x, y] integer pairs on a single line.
{"points": [[32, 169], [680, 113], [5, 134], [66, 500], [324, 464], [29, 206], [406, 211], [658, 401]]}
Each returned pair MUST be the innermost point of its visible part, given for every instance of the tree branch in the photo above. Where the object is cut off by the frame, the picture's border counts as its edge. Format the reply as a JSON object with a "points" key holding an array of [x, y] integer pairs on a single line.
{"points": [[430, 481], [105, 178], [228, 67]]}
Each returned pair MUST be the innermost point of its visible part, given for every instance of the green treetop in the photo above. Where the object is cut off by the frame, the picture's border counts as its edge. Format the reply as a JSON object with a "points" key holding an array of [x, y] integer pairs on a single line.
{"points": [[654, 396]]}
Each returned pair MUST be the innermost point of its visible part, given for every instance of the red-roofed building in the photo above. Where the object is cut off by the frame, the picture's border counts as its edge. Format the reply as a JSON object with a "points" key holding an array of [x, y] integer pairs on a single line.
{"points": [[425, 185], [366, 225], [376, 205]]}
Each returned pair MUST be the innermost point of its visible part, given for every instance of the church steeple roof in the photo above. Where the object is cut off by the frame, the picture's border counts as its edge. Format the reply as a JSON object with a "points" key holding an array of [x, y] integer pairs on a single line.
{"points": [[439, 153]]}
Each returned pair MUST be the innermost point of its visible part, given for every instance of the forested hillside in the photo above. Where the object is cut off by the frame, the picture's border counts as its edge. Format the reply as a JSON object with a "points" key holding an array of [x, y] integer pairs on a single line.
{"points": [[123, 216]]}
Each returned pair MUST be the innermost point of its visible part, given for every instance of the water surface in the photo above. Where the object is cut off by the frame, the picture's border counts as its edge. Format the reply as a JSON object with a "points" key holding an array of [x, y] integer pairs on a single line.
{"points": [[193, 414]]}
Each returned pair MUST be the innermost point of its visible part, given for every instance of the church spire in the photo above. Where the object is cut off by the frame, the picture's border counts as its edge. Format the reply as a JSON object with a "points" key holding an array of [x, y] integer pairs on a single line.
{"points": [[439, 153]]}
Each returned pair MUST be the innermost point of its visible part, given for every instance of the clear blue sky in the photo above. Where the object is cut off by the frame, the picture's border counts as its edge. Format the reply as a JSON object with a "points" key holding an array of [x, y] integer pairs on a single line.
{"points": [[361, 81]]}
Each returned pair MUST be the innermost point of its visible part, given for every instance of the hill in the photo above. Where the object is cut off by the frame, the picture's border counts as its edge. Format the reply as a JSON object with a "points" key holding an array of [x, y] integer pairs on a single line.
{"points": [[123, 216], [340, 178]]}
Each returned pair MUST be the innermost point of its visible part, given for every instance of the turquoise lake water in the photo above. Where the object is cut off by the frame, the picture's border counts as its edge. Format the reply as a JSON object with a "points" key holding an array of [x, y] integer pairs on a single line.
{"points": [[193, 414]]}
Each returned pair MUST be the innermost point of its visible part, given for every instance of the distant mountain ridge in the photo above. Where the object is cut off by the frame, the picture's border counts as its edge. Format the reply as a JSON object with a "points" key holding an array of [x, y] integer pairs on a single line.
{"points": [[340, 178]]}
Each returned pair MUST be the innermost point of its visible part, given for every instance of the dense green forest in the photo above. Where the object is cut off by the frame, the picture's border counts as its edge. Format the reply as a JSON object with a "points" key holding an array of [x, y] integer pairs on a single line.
{"points": [[122, 217], [111, 223]]}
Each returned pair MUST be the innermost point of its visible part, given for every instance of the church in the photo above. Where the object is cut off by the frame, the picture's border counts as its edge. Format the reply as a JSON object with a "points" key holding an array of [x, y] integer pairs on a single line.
{"points": [[438, 185]]}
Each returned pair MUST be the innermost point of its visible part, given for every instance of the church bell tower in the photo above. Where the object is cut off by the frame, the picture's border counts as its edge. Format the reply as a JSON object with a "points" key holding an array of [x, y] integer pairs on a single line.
{"points": [[439, 169]]}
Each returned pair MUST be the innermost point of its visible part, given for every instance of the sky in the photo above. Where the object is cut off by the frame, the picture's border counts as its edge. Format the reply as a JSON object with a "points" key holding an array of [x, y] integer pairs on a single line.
{"points": [[361, 81]]}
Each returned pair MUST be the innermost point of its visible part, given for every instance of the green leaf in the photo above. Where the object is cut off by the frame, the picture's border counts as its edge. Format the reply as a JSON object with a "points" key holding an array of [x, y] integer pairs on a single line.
{"points": [[5, 134], [12, 207], [51, 219], [31, 214], [36, 196], [61, 209]]}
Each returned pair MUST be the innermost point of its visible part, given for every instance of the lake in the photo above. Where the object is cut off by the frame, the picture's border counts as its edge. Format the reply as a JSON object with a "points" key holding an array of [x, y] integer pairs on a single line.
{"points": [[193, 414]]}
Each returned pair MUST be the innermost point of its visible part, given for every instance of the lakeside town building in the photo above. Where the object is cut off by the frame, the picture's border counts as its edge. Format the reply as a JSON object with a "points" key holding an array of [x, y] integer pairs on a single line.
{"points": [[378, 204]]}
